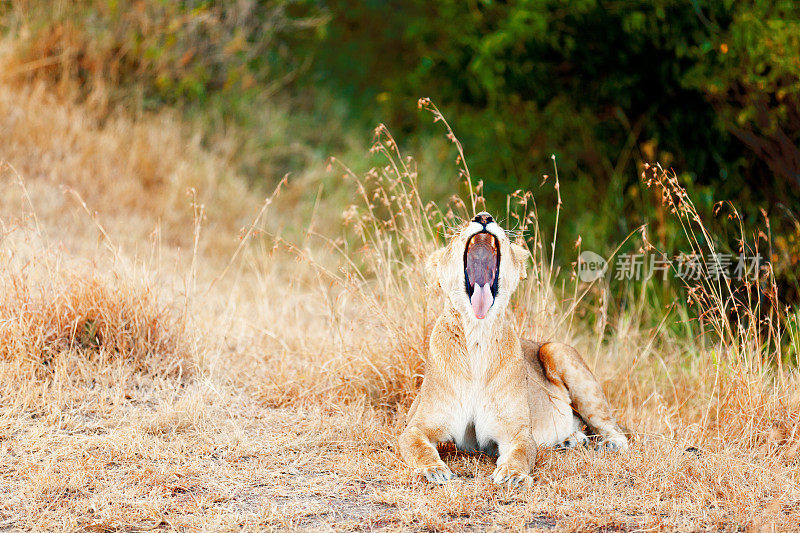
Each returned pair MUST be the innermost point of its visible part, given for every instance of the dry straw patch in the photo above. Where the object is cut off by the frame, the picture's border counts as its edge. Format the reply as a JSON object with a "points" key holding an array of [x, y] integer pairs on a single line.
{"points": [[69, 323]]}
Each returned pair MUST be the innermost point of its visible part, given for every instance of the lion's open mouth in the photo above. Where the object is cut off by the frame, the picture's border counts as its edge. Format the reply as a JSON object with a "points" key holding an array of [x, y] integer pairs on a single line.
{"points": [[481, 266]]}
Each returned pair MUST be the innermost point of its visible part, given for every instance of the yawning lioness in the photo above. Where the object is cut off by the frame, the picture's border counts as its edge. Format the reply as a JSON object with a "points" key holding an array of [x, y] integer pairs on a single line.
{"points": [[484, 387]]}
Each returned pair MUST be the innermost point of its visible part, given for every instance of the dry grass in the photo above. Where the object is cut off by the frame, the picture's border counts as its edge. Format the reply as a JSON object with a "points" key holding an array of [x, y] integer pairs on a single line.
{"points": [[139, 178], [56, 325], [162, 369]]}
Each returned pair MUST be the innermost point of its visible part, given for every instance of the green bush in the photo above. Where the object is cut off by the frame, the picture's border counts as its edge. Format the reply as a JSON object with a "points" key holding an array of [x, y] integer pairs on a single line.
{"points": [[603, 84]]}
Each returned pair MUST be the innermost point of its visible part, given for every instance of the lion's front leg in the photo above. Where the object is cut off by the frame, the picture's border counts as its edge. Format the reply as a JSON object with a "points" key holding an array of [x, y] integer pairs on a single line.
{"points": [[517, 458], [516, 447], [418, 448]]}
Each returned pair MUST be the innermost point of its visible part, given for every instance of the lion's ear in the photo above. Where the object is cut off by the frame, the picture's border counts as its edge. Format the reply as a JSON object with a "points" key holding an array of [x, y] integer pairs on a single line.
{"points": [[432, 266], [520, 255]]}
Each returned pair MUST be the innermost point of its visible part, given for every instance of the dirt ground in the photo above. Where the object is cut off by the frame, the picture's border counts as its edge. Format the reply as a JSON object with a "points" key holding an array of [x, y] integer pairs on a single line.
{"points": [[201, 461]]}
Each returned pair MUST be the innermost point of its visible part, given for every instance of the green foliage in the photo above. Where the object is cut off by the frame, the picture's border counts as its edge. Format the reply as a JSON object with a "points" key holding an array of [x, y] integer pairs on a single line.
{"points": [[603, 84], [527, 79], [750, 72]]}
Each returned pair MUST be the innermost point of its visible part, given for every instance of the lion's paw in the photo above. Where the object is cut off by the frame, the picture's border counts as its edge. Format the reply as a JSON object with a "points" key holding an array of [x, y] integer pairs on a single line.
{"points": [[439, 473], [516, 478], [613, 443], [578, 438]]}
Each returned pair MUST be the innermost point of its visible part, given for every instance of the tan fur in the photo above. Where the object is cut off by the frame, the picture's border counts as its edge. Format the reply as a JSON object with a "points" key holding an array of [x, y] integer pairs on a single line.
{"points": [[487, 389]]}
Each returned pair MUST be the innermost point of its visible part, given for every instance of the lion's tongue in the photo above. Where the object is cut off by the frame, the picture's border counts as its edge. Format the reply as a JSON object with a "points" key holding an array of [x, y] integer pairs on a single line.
{"points": [[481, 300]]}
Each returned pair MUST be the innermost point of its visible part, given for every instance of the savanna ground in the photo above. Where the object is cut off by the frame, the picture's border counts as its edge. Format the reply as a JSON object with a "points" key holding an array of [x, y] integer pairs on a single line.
{"points": [[180, 352]]}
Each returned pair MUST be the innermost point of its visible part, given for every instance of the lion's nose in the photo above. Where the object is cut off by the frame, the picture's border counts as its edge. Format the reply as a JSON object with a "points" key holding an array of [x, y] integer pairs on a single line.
{"points": [[483, 218]]}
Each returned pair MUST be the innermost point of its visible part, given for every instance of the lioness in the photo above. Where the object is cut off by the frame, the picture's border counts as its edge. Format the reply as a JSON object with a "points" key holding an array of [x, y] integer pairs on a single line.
{"points": [[484, 387]]}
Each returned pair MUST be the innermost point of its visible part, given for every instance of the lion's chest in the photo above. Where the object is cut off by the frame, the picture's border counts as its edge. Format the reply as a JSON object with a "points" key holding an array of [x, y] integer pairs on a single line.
{"points": [[473, 420]]}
